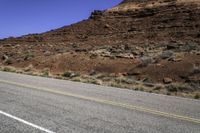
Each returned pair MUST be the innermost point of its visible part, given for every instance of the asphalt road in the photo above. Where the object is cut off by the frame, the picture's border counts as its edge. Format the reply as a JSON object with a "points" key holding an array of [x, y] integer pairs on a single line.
{"points": [[37, 105]]}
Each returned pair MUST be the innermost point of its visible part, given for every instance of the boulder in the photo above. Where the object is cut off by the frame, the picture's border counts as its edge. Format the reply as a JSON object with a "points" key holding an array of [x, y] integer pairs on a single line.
{"points": [[166, 54], [167, 80]]}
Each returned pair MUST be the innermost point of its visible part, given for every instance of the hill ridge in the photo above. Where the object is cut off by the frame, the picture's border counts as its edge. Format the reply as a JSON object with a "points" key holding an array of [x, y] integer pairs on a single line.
{"points": [[148, 40]]}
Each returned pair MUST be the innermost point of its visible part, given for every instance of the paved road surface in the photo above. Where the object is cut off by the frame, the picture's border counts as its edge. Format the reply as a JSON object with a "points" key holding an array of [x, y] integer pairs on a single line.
{"points": [[31, 104]]}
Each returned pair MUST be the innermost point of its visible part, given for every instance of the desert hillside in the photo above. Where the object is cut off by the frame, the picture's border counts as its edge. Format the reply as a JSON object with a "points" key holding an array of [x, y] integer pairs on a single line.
{"points": [[155, 43]]}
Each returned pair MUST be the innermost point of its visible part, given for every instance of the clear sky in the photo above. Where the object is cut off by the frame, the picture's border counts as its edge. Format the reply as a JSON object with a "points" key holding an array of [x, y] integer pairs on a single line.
{"points": [[20, 17]]}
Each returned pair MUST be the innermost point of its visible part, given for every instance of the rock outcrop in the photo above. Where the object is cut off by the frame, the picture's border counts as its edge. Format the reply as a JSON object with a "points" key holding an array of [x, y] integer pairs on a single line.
{"points": [[118, 40]]}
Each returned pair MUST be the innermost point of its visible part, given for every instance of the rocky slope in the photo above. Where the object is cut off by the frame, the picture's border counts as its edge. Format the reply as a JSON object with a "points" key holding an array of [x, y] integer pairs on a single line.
{"points": [[153, 41]]}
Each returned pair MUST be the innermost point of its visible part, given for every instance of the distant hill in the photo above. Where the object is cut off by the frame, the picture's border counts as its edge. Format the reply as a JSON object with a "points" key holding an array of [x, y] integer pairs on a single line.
{"points": [[158, 40]]}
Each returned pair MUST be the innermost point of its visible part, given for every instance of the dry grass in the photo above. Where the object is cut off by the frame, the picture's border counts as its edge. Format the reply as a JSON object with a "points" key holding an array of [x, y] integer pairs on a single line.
{"points": [[46, 72], [8, 68], [175, 89], [197, 95]]}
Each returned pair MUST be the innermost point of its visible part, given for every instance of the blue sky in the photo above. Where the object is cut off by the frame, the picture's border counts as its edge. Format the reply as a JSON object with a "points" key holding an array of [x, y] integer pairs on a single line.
{"points": [[20, 17]]}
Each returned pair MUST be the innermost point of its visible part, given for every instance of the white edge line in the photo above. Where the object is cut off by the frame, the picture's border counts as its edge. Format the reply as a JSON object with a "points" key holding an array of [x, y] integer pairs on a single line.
{"points": [[26, 122]]}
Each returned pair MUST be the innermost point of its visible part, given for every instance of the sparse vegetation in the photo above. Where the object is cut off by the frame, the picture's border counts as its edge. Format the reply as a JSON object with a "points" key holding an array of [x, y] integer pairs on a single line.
{"points": [[70, 74], [175, 87], [67, 74], [76, 79], [122, 82], [93, 81], [117, 52], [28, 55], [196, 69], [197, 96], [8, 69], [167, 54], [168, 93], [28, 68], [118, 85], [140, 87], [8, 61], [45, 72]]}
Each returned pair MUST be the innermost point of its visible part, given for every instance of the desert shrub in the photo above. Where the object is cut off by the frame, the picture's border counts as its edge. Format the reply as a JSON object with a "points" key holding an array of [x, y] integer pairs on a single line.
{"points": [[92, 80], [9, 69], [70, 74], [76, 79], [8, 61], [28, 55], [140, 87], [197, 96], [157, 88], [28, 68], [115, 84], [45, 72], [191, 46], [123, 80], [66, 74], [196, 69], [178, 87], [145, 61], [166, 54], [92, 73], [168, 93]]}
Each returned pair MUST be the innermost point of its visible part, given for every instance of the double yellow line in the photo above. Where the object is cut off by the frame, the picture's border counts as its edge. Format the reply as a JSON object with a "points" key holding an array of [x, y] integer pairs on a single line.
{"points": [[108, 102]]}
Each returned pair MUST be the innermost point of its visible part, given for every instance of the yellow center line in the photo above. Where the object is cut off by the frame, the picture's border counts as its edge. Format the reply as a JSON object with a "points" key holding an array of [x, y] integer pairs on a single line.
{"points": [[108, 102]]}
